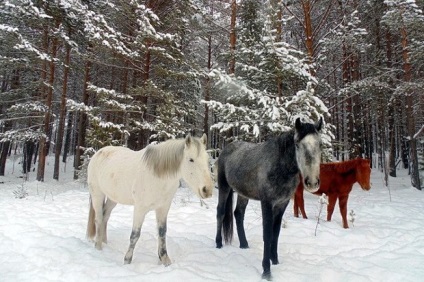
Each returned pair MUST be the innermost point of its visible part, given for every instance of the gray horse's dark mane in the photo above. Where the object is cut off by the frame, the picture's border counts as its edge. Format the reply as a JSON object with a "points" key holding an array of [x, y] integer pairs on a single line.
{"points": [[306, 129]]}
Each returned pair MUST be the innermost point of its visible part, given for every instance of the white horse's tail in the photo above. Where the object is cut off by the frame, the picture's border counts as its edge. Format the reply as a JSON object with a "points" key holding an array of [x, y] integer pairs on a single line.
{"points": [[91, 226]]}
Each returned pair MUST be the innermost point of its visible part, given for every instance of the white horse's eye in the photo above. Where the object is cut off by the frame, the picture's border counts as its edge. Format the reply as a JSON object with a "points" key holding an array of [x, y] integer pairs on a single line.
{"points": [[191, 160]]}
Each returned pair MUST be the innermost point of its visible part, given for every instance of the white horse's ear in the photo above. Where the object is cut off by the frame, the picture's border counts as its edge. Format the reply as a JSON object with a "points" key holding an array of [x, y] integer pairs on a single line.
{"points": [[204, 139], [188, 140], [319, 124]]}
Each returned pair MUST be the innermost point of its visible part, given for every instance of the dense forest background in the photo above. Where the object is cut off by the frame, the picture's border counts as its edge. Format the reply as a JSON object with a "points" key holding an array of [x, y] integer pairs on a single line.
{"points": [[77, 75]]}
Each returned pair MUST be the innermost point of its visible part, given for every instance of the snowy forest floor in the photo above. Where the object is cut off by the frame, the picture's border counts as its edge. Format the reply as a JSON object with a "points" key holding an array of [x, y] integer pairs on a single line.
{"points": [[42, 237]]}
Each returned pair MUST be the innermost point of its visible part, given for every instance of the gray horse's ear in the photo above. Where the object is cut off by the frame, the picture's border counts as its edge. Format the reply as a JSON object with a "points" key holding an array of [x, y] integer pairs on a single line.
{"points": [[297, 124], [204, 139], [318, 125], [188, 140]]}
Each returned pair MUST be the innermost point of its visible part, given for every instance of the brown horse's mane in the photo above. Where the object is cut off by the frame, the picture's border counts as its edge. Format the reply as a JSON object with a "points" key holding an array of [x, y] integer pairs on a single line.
{"points": [[342, 167]]}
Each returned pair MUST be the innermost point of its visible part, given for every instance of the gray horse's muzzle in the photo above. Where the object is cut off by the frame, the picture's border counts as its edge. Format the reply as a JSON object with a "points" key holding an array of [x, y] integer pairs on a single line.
{"points": [[311, 186]]}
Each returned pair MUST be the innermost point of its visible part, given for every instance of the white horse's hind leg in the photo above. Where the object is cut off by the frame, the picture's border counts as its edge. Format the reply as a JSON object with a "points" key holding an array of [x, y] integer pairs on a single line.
{"points": [[107, 209], [139, 214], [98, 202], [161, 218]]}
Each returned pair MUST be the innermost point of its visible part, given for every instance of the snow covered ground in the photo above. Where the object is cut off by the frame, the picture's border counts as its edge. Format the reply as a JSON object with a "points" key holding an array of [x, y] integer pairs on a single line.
{"points": [[42, 238]]}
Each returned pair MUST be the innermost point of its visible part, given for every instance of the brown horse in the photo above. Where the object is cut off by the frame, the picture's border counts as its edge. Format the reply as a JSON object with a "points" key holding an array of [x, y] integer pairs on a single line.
{"points": [[337, 180]]}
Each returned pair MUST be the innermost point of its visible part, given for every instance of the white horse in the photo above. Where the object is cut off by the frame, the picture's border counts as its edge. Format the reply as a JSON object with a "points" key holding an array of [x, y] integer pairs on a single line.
{"points": [[148, 180]]}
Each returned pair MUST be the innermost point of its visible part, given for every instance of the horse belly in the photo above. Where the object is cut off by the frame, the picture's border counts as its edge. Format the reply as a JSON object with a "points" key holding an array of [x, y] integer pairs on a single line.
{"points": [[117, 191], [245, 187], [155, 192]]}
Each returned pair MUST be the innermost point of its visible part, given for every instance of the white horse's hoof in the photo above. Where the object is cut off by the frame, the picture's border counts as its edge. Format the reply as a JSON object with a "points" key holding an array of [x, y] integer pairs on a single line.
{"points": [[98, 246], [166, 261]]}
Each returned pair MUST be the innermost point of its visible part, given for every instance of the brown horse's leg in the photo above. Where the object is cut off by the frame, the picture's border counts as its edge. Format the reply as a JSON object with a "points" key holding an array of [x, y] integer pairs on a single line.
{"points": [[343, 209], [296, 203], [299, 202], [332, 198], [302, 206]]}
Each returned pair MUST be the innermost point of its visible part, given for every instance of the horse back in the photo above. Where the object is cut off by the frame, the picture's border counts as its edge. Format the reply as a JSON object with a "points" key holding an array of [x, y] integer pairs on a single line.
{"points": [[259, 171], [237, 170]]}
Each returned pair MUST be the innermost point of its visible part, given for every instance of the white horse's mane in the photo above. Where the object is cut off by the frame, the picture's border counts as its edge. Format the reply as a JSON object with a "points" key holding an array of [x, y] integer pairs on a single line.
{"points": [[165, 158]]}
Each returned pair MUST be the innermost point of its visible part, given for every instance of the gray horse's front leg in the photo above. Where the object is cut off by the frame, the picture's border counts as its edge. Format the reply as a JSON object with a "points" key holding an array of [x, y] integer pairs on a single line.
{"points": [[267, 222], [277, 214]]}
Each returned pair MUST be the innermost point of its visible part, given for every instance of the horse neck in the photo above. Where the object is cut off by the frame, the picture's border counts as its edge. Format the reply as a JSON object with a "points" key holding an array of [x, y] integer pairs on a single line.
{"points": [[286, 151], [347, 168], [165, 158]]}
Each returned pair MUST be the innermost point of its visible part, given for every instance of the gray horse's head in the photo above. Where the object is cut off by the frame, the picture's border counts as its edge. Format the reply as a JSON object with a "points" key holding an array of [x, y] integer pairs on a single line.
{"points": [[308, 152]]}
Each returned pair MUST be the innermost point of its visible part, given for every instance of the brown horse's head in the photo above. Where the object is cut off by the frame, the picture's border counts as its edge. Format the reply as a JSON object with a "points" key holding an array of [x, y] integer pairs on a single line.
{"points": [[363, 173]]}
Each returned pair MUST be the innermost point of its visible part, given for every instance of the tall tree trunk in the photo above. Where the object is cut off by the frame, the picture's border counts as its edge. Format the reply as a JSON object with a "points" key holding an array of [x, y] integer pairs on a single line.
{"points": [[61, 129], [232, 64], [207, 89], [47, 116], [5, 146], [391, 110], [309, 43], [83, 120], [3, 156], [407, 70], [279, 35], [67, 145], [29, 150]]}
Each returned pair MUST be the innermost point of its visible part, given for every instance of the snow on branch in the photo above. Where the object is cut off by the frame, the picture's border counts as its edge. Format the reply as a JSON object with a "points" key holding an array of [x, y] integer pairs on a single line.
{"points": [[419, 133]]}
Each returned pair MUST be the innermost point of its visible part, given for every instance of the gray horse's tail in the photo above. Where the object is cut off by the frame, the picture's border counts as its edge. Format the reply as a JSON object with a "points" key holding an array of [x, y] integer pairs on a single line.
{"points": [[91, 226], [227, 223]]}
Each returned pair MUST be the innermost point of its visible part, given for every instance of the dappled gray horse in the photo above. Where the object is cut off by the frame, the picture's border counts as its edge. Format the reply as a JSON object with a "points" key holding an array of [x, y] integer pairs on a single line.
{"points": [[267, 172]]}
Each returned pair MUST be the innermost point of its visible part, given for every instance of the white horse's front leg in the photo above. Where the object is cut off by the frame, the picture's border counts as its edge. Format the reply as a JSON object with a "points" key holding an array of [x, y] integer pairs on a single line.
{"points": [[161, 218], [139, 215]]}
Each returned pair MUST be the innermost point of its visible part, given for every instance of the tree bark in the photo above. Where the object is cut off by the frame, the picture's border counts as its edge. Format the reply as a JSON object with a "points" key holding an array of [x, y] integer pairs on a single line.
{"points": [[3, 156], [29, 150], [232, 64], [61, 129], [407, 70], [309, 43], [67, 145], [207, 89], [44, 146], [83, 120]]}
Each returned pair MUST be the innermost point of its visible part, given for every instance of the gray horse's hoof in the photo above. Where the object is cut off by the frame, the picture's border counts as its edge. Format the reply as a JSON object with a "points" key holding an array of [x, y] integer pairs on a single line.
{"points": [[267, 276]]}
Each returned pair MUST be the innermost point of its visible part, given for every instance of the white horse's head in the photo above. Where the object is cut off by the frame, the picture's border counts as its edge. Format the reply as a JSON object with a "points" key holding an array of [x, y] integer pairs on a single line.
{"points": [[308, 153], [195, 166]]}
